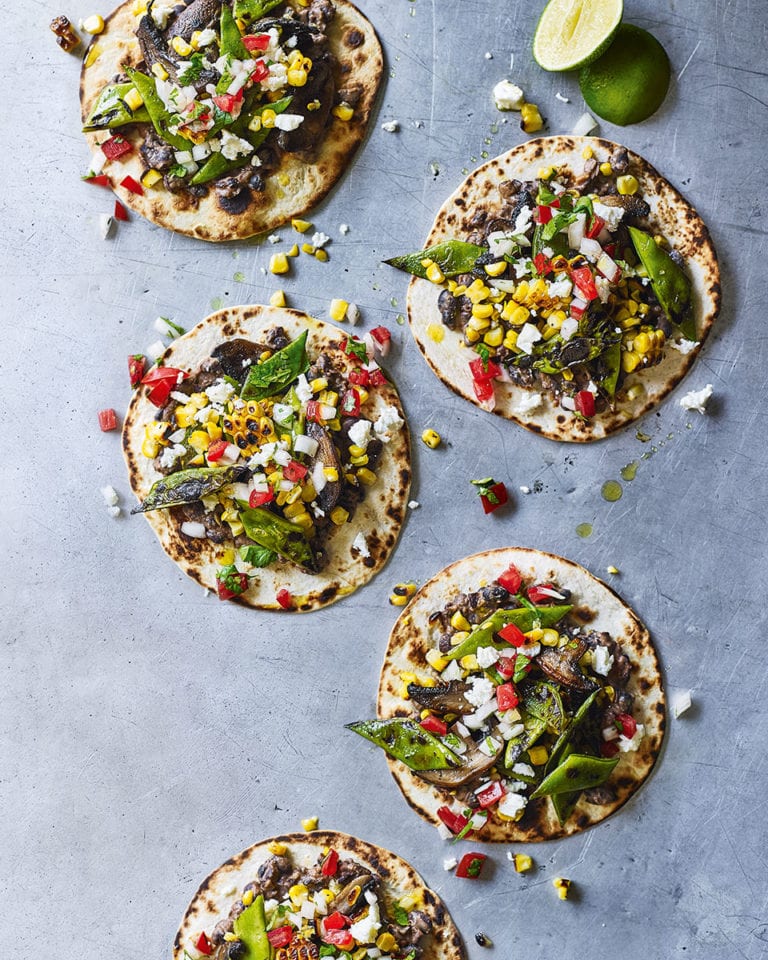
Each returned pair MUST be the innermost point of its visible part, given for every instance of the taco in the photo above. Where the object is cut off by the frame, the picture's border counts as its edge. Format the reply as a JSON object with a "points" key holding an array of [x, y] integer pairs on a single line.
{"points": [[270, 455], [520, 699], [566, 286], [221, 120], [323, 894]]}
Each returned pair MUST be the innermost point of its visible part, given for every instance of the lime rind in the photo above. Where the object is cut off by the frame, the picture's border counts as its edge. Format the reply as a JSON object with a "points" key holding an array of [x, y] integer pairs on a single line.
{"points": [[573, 33]]}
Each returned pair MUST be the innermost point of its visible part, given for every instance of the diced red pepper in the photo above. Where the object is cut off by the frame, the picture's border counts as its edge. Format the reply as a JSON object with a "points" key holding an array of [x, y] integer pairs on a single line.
{"points": [[228, 102], [555, 203], [383, 338], [491, 794], [137, 365], [204, 944], [258, 498], [454, 821], [350, 404], [294, 471], [511, 579], [116, 147], [162, 380], [536, 594], [280, 936], [232, 585], [543, 214], [608, 748], [506, 696], [513, 635], [584, 401], [610, 249], [256, 41], [216, 450], [284, 598], [484, 370], [261, 72], [578, 308], [506, 666], [499, 494], [376, 377], [595, 227], [339, 938], [159, 394], [484, 390], [471, 865], [361, 378], [156, 374], [107, 420], [543, 264], [330, 864], [101, 180], [120, 212], [336, 921], [627, 724], [584, 282], [313, 411], [434, 725], [133, 185]]}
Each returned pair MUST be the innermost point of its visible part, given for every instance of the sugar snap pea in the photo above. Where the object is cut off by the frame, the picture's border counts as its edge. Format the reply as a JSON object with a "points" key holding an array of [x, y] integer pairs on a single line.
{"points": [[452, 256], [409, 742], [670, 284], [187, 486], [111, 109], [522, 617], [577, 772]]}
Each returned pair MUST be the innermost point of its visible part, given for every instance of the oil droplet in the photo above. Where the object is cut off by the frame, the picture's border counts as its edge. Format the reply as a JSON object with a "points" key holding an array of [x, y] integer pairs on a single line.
{"points": [[484, 154], [473, 159], [630, 471], [436, 332], [400, 319], [217, 303], [642, 437], [487, 140], [494, 128], [393, 301], [465, 170], [239, 277], [584, 530], [612, 491]]}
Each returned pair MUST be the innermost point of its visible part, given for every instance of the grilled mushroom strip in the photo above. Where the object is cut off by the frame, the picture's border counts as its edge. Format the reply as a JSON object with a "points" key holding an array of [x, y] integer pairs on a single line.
{"points": [[561, 665], [475, 764], [351, 900], [445, 698], [326, 454]]}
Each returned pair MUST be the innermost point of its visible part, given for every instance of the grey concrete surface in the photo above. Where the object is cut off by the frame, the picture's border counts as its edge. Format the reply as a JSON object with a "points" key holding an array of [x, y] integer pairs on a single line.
{"points": [[147, 731]]}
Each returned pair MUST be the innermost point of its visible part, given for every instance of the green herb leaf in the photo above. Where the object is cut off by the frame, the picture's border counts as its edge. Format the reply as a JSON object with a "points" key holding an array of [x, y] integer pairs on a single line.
{"points": [[356, 348], [399, 915], [485, 488], [193, 71], [258, 556], [521, 662], [485, 354], [174, 330], [452, 256]]}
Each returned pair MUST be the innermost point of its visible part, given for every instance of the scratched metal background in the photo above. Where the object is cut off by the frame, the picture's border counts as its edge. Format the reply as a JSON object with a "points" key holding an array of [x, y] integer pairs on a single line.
{"points": [[148, 731]]}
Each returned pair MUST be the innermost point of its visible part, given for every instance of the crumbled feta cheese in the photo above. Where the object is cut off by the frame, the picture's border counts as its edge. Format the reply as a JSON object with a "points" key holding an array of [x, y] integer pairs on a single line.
{"points": [[626, 745], [530, 650], [476, 720], [560, 288], [489, 746], [528, 335], [512, 804], [288, 121], [353, 314], [391, 126], [611, 215], [527, 402], [501, 244], [488, 55], [366, 929], [278, 77], [450, 863], [388, 422], [106, 225], [320, 239], [602, 660], [508, 96], [360, 433], [569, 326], [561, 98], [603, 289], [170, 455], [220, 391], [525, 489], [697, 399], [303, 389], [361, 545], [681, 701], [343, 229], [523, 770], [205, 38], [114, 511], [683, 346], [111, 496], [480, 691], [487, 656], [233, 147], [161, 11], [523, 220]]}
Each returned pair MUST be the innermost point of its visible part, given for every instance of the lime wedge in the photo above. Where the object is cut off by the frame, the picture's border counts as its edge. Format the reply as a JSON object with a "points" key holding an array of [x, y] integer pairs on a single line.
{"points": [[572, 33]]}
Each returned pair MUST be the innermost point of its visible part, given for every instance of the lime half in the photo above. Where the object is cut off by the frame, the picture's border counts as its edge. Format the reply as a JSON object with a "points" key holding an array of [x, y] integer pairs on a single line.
{"points": [[630, 80], [572, 33]]}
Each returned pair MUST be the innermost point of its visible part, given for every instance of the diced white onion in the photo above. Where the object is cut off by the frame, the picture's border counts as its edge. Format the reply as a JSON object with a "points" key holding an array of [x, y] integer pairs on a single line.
{"points": [[307, 445], [584, 125], [192, 528], [591, 249], [475, 720], [576, 231]]}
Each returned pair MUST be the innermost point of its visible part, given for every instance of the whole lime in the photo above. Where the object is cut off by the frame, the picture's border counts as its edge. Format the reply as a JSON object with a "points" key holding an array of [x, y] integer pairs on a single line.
{"points": [[629, 81]]}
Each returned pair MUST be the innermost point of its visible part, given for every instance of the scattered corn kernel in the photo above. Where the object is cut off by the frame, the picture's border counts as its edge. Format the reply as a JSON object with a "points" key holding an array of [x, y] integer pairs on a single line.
{"points": [[386, 943], [331, 473], [181, 46], [545, 173], [277, 299], [531, 119], [612, 569], [247, 898], [309, 824], [562, 885], [436, 660], [297, 78], [294, 251], [627, 185], [338, 310], [431, 438], [150, 178], [522, 862], [308, 248], [460, 622], [469, 662], [278, 263], [606, 169], [538, 755], [496, 269], [366, 477], [321, 255], [301, 226], [268, 118], [339, 516], [277, 848], [587, 153], [549, 638], [343, 111]]}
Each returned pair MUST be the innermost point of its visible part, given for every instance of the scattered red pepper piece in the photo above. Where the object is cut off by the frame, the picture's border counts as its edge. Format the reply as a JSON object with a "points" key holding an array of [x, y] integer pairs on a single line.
{"points": [[133, 185], [595, 227], [116, 147], [491, 794], [313, 411], [228, 102], [120, 212], [505, 666], [137, 365], [230, 582], [542, 263], [506, 696], [339, 938], [454, 821], [511, 579], [584, 401], [294, 471], [98, 180], [609, 748], [330, 864], [483, 390], [256, 41], [335, 921], [376, 377], [204, 944], [382, 338], [216, 450], [361, 378], [492, 494], [259, 498], [162, 380], [537, 594], [471, 865], [107, 420], [261, 72], [543, 214], [280, 936], [584, 282], [484, 369], [350, 403], [513, 635], [434, 725], [627, 725], [284, 598]]}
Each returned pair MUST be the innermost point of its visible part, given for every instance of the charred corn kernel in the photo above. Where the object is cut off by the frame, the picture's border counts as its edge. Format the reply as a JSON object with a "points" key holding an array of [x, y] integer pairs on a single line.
{"points": [[366, 477], [359, 461], [405, 677], [460, 622], [150, 448], [482, 310], [93, 55], [478, 324], [587, 153], [642, 343], [339, 516], [230, 937], [659, 336], [150, 178], [227, 557], [338, 310], [538, 755], [386, 943], [185, 415], [268, 118], [300, 226], [510, 340], [278, 263], [627, 185], [629, 361], [308, 492], [643, 309], [298, 892], [457, 638], [545, 173], [562, 885], [436, 660], [293, 510], [294, 58], [308, 248], [247, 898], [494, 337], [277, 299], [133, 99], [399, 601], [549, 638], [632, 307], [297, 78], [530, 118], [469, 662], [606, 169], [435, 274], [557, 318], [343, 111], [277, 848], [199, 440], [181, 46], [431, 438], [522, 862], [321, 255], [496, 269], [355, 451]]}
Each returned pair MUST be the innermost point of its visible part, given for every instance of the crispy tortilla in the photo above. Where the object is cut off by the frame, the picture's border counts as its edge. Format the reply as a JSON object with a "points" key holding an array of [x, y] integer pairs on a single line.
{"points": [[596, 605], [214, 897], [294, 187], [671, 215], [379, 517]]}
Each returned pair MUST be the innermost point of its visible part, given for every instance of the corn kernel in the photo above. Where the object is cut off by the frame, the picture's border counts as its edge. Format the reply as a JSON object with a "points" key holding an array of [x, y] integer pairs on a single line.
{"points": [[181, 46], [93, 55], [308, 248], [510, 341], [278, 263], [469, 662], [338, 310], [496, 269], [150, 178], [247, 898], [522, 862], [343, 111], [366, 477], [629, 361], [587, 153], [627, 185], [150, 448], [297, 78], [277, 848], [133, 99], [268, 118], [199, 441], [339, 516], [435, 274], [538, 755], [549, 638], [642, 343], [531, 120], [298, 892], [277, 299], [545, 173], [457, 638], [386, 943], [321, 255], [139, 8], [436, 660], [230, 937], [359, 461], [294, 251], [562, 885], [397, 601], [495, 337], [460, 622], [606, 169], [301, 226], [431, 438], [185, 415], [478, 324], [482, 310], [331, 473]]}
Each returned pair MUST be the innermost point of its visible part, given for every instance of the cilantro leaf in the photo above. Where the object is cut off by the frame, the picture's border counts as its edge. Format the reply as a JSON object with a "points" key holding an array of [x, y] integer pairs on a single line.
{"points": [[258, 556], [400, 915]]}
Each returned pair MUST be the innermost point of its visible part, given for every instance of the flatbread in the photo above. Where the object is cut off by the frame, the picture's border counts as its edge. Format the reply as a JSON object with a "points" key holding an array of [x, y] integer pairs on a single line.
{"points": [[214, 897], [671, 215], [294, 187], [601, 609], [379, 517]]}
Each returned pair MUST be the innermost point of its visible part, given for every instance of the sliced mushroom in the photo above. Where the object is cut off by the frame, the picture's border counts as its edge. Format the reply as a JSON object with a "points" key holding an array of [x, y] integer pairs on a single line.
{"points": [[444, 698], [154, 48], [475, 764], [351, 900], [633, 206], [236, 356], [561, 665], [326, 455], [199, 15]]}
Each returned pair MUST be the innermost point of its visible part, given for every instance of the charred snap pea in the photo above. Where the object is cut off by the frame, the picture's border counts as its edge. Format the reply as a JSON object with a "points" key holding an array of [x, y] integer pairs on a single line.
{"points": [[560, 748], [522, 617], [111, 109], [250, 928], [565, 803], [577, 772], [611, 360], [156, 109], [187, 486], [517, 746], [451, 256], [231, 41], [542, 700], [253, 9], [670, 284], [276, 374], [409, 742], [278, 535]]}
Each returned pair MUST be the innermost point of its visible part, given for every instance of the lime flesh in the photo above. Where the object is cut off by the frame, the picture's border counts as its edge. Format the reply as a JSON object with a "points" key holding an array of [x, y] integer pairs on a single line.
{"points": [[630, 80], [572, 33]]}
